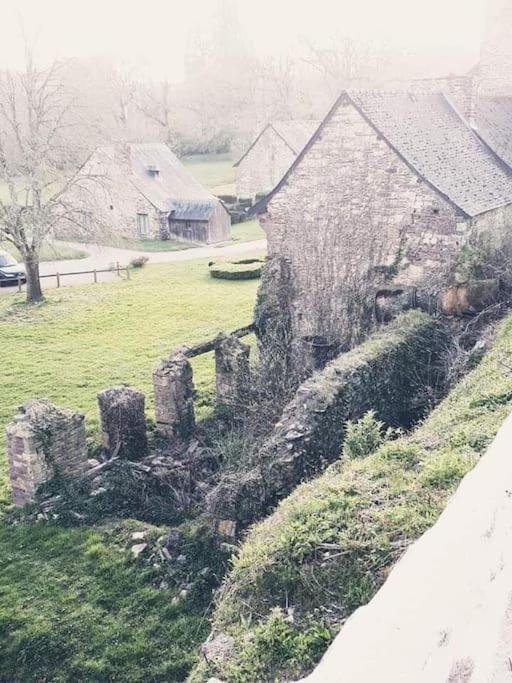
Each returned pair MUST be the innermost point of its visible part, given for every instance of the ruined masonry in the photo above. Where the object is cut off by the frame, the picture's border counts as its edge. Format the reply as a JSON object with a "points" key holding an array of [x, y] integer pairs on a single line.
{"points": [[232, 371], [123, 422], [44, 442], [174, 396]]}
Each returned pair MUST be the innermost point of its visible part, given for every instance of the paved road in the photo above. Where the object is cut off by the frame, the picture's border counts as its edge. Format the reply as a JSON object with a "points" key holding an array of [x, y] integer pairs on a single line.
{"points": [[103, 257]]}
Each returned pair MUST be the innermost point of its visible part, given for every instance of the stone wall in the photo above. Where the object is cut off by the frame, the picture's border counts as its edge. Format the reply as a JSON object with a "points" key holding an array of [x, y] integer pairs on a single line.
{"points": [[390, 373], [44, 442], [264, 166], [453, 624], [351, 216]]}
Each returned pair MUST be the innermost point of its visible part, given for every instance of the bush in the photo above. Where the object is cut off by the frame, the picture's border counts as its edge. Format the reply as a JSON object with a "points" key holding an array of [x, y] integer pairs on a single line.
{"points": [[247, 269], [363, 437], [139, 261]]}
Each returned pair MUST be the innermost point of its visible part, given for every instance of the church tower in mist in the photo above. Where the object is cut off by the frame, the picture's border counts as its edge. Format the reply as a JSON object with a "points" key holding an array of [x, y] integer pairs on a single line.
{"points": [[495, 69]]}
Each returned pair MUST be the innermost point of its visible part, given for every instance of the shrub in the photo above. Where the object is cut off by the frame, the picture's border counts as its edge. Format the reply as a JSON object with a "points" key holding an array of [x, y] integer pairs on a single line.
{"points": [[139, 261], [363, 437], [247, 269]]}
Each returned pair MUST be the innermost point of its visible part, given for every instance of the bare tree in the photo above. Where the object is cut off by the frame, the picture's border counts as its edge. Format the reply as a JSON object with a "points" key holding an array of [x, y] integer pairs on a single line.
{"points": [[156, 103], [38, 161]]}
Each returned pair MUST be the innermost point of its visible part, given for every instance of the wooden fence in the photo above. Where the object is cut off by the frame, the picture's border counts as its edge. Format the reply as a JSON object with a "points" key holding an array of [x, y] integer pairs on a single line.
{"points": [[117, 269]]}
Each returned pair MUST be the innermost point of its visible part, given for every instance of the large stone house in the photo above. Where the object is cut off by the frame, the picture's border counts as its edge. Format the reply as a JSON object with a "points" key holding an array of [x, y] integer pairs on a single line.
{"points": [[143, 191], [270, 155], [387, 196]]}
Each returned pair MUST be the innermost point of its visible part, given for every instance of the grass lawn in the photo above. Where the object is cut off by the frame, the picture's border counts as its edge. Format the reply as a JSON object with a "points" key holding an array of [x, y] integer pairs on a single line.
{"points": [[214, 171], [152, 245], [247, 232], [74, 605], [49, 252]]}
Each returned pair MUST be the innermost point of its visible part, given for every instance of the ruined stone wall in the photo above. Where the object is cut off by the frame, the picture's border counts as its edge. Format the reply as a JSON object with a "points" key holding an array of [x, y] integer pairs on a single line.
{"points": [[264, 165], [495, 69], [352, 214], [44, 442], [390, 373]]}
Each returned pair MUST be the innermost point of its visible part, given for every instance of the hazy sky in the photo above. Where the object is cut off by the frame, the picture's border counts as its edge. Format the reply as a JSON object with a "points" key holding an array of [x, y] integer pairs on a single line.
{"points": [[155, 33]]}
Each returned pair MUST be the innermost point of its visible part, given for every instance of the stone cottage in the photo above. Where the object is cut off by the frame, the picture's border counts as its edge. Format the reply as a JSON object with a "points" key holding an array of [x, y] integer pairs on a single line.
{"points": [[143, 191], [383, 198], [270, 155]]}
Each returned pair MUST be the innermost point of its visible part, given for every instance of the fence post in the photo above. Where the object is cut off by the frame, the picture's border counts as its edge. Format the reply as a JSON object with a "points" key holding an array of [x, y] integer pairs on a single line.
{"points": [[95, 275], [19, 284], [58, 280], [127, 272]]}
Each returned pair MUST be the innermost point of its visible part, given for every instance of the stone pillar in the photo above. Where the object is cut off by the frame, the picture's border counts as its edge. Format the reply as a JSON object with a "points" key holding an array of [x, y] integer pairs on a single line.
{"points": [[123, 422], [44, 442], [232, 371], [174, 396]]}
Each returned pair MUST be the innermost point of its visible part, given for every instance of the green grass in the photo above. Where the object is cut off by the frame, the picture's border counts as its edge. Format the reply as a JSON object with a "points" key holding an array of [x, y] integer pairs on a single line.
{"points": [[49, 252], [214, 171], [247, 232], [75, 606], [84, 339], [330, 545], [152, 245]]}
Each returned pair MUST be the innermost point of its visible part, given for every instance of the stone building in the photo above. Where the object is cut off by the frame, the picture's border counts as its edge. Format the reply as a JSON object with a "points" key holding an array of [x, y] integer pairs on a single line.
{"points": [[143, 191], [384, 197], [270, 155]]}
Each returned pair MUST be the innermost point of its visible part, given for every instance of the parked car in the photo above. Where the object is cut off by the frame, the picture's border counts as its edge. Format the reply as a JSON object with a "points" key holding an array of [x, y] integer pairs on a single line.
{"points": [[10, 270]]}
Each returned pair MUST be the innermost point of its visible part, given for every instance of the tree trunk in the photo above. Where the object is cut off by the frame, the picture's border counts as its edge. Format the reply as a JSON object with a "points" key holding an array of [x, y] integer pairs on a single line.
{"points": [[34, 292]]}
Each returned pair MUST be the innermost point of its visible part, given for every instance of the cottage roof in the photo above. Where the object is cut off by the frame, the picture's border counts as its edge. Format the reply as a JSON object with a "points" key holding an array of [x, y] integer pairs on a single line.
{"points": [[436, 143], [163, 180], [494, 125], [294, 133]]}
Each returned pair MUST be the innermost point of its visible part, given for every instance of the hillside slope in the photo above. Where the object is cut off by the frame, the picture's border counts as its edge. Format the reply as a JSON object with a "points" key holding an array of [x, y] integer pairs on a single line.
{"points": [[330, 545]]}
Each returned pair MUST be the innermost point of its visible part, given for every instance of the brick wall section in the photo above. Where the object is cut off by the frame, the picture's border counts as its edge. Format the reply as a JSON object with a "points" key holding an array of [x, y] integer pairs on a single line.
{"points": [[44, 442], [351, 205], [264, 165]]}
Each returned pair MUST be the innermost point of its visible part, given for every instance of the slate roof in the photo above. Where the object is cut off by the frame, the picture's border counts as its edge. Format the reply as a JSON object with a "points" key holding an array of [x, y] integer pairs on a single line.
{"points": [[429, 134], [192, 210], [173, 186], [436, 143], [294, 133], [493, 122]]}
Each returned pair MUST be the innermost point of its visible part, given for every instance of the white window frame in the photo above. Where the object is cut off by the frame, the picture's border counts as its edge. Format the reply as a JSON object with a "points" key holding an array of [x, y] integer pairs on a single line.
{"points": [[143, 227]]}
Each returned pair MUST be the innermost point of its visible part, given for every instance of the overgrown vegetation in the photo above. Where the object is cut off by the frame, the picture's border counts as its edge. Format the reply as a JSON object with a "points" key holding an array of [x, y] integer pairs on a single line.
{"points": [[329, 545]]}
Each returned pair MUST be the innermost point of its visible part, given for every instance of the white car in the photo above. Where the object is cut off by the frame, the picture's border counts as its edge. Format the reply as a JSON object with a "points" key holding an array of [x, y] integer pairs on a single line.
{"points": [[10, 269]]}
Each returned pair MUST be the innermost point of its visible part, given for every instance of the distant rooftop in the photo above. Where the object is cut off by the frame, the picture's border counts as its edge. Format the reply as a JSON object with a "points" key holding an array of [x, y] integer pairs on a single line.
{"points": [[294, 133]]}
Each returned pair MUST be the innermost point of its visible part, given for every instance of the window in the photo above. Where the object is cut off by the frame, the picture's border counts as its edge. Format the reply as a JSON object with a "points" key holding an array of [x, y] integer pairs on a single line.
{"points": [[143, 224]]}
